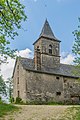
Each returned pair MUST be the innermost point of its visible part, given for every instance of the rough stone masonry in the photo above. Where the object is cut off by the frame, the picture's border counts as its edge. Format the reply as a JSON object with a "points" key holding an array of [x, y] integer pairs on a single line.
{"points": [[44, 78]]}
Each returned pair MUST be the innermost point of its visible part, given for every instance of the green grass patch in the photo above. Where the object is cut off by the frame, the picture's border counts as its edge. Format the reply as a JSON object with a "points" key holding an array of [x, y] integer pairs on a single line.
{"points": [[43, 103], [72, 113], [77, 113], [5, 108]]}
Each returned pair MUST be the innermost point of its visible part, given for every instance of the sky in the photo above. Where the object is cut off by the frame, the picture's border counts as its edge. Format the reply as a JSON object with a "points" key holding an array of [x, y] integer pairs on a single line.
{"points": [[62, 16]]}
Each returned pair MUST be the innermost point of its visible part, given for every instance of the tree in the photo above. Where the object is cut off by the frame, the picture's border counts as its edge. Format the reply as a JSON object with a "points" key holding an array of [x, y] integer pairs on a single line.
{"points": [[2, 86], [11, 15], [76, 46], [10, 87], [76, 50]]}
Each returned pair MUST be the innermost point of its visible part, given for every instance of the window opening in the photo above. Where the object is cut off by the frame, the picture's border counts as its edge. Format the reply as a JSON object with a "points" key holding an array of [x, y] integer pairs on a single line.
{"points": [[38, 48], [18, 67], [50, 49], [18, 94], [17, 80], [58, 93], [70, 86], [57, 78], [38, 56], [65, 80]]}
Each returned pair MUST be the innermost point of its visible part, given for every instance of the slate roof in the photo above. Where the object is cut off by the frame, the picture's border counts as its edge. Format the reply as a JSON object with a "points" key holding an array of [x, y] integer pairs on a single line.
{"points": [[60, 69], [27, 63], [47, 32]]}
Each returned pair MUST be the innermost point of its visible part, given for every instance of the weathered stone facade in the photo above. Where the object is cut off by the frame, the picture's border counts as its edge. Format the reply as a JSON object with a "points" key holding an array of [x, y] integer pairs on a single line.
{"points": [[46, 58], [44, 78]]}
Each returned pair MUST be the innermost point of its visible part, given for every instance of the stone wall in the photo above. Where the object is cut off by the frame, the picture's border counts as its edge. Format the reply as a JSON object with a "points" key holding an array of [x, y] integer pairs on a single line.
{"points": [[38, 86], [44, 87], [19, 83], [55, 46], [37, 46], [46, 58], [71, 90]]}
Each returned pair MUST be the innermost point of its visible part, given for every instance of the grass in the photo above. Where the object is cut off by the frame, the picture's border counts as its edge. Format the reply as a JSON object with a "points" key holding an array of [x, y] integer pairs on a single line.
{"points": [[72, 113], [5, 108], [77, 113], [42, 103]]}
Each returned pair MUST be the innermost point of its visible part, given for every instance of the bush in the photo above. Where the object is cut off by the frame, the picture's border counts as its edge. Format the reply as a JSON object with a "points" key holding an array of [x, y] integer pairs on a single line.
{"points": [[11, 99], [18, 100]]}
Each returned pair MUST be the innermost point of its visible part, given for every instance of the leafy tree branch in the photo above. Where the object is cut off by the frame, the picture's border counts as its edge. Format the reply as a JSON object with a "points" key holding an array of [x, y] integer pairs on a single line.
{"points": [[76, 46], [11, 15]]}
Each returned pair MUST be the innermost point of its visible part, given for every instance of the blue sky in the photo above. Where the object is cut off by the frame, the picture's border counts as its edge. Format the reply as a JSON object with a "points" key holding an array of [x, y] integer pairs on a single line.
{"points": [[62, 16]]}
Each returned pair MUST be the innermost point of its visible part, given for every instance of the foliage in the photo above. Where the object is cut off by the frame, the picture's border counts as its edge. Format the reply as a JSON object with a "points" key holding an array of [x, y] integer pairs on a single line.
{"points": [[2, 86], [11, 15], [12, 100], [10, 87], [5, 108], [18, 100], [76, 50], [76, 46]]}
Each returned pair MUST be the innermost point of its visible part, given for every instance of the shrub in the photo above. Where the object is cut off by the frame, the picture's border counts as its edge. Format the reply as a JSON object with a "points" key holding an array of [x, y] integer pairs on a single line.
{"points": [[18, 100], [11, 99]]}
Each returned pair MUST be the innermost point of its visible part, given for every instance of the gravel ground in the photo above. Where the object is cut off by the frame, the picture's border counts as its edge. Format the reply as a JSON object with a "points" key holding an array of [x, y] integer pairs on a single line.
{"points": [[38, 112]]}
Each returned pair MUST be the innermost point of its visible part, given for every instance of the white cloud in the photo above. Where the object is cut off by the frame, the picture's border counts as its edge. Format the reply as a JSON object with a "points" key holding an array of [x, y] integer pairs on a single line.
{"points": [[27, 53], [7, 68], [67, 58]]}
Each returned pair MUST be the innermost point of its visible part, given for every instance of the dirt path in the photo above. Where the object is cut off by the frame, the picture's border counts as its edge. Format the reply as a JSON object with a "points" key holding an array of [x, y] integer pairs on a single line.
{"points": [[38, 112]]}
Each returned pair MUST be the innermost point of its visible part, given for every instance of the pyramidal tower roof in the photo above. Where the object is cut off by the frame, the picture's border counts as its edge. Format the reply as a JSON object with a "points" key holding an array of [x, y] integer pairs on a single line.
{"points": [[47, 31]]}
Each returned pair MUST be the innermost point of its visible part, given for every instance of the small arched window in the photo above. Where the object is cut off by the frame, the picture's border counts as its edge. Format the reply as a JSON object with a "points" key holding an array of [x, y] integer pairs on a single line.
{"points": [[38, 49], [50, 49]]}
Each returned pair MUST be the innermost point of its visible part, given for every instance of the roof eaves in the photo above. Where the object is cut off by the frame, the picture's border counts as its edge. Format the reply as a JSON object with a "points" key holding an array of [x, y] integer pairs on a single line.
{"points": [[42, 72], [46, 38]]}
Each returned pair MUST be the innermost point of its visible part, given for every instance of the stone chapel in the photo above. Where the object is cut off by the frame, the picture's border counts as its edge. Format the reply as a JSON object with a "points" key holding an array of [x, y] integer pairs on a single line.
{"points": [[44, 78]]}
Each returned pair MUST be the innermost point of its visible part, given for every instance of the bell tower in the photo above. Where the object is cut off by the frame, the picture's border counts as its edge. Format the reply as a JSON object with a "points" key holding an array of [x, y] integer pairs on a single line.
{"points": [[46, 49]]}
